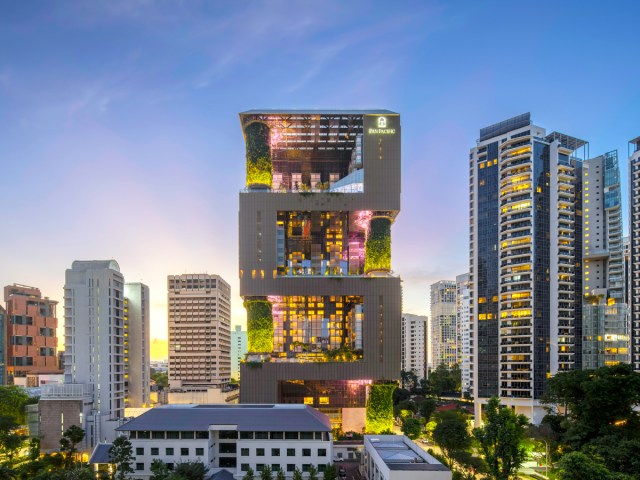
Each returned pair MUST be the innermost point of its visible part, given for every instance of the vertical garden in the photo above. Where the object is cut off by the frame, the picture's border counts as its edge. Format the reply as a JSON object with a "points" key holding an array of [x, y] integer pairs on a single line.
{"points": [[378, 245], [380, 408], [259, 167], [259, 325]]}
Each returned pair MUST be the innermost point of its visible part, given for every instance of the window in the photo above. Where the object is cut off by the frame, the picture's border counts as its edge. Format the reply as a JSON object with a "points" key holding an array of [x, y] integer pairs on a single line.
{"points": [[262, 435], [306, 435], [259, 467], [246, 435], [305, 467], [139, 451], [155, 451], [187, 435], [244, 452], [306, 452], [291, 452], [169, 451], [277, 435], [275, 467], [184, 451], [144, 435], [321, 467], [318, 435], [291, 467], [322, 452], [227, 434], [260, 452], [291, 435], [275, 452], [139, 466], [200, 452], [173, 435], [228, 447], [244, 467], [205, 435], [157, 435]]}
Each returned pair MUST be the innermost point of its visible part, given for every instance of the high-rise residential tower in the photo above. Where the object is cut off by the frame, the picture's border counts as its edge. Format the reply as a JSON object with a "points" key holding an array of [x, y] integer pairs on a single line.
{"points": [[323, 307], [238, 350], [634, 232], [31, 325], [443, 340], [199, 332], [605, 325], [526, 244], [414, 344], [3, 371], [465, 329], [137, 346]]}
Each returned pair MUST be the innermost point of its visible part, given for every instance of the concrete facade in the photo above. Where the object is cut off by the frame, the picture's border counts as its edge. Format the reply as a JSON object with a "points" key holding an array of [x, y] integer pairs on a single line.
{"points": [[137, 345], [309, 274], [414, 344], [634, 233], [465, 330], [444, 335], [31, 332], [238, 350]]}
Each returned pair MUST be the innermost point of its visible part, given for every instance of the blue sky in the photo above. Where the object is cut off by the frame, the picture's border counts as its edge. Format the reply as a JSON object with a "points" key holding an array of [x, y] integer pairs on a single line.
{"points": [[119, 133]]}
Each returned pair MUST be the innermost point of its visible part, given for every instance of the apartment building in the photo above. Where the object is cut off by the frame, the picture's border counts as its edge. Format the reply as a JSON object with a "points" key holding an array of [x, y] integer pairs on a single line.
{"points": [[137, 345], [238, 350], [465, 330], [634, 233], [414, 344], [444, 339]]}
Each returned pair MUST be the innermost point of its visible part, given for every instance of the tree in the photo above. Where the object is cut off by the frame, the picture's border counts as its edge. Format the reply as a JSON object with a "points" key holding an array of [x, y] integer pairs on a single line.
{"points": [[409, 380], [451, 433], [500, 440], [427, 408], [578, 466], [330, 472], [313, 473], [297, 474], [13, 400], [10, 444], [280, 475], [411, 427], [72, 436], [193, 470], [444, 379], [121, 452], [159, 470], [161, 378], [265, 473], [248, 475]]}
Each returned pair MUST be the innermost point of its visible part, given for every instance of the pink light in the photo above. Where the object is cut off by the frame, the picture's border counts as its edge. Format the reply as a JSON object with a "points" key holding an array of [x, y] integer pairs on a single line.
{"points": [[363, 219], [276, 136]]}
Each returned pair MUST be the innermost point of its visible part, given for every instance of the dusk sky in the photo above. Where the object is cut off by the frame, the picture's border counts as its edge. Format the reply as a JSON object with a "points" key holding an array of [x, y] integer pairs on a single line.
{"points": [[120, 137]]}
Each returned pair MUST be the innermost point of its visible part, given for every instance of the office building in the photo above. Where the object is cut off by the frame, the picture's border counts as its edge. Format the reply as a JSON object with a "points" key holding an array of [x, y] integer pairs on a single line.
{"points": [[31, 326], [465, 329], [443, 340], [525, 243], [199, 332], [605, 326], [238, 350], [3, 371], [227, 437], [323, 307], [396, 457], [626, 248], [634, 233], [414, 344], [137, 345]]}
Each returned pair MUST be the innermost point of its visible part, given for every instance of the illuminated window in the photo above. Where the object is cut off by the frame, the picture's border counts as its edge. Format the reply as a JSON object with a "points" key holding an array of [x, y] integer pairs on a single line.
{"points": [[308, 400]]}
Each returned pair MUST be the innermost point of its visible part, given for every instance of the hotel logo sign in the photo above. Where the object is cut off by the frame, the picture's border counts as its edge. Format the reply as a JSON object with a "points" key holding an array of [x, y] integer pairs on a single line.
{"points": [[382, 128]]}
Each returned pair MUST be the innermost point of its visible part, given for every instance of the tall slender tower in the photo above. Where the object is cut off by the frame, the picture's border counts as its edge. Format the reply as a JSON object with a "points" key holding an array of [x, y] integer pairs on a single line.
{"points": [[414, 344], [526, 243], [444, 329], [323, 307], [634, 231], [199, 332], [465, 329], [137, 345], [31, 329], [238, 350]]}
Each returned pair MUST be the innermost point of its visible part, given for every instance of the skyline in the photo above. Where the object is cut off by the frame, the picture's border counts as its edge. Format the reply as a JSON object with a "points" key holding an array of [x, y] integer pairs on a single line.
{"points": [[120, 134]]}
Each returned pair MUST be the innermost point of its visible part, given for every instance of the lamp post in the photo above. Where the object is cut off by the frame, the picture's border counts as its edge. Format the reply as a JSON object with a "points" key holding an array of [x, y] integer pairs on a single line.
{"points": [[546, 458]]}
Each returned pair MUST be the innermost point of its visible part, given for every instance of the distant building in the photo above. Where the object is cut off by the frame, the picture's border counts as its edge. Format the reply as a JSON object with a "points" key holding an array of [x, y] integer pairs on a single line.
{"points": [[137, 345], [414, 344], [31, 325], [199, 332], [234, 438], [634, 231], [465, 329], [238, 350], [444, 324], [396, 457], [3, 371]]}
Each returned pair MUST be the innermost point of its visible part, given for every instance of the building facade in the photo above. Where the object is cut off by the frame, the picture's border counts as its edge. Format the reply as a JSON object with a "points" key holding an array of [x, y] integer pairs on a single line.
{"points": [[525, 243], [605, 320], [233, 438], [31, 332], [238, 350], [396, 457], [199, 332], [465, 330], [137, 345], [634, 233], [444, 338], [3, 370], [323, 307], [414, 344], [94, 342]]}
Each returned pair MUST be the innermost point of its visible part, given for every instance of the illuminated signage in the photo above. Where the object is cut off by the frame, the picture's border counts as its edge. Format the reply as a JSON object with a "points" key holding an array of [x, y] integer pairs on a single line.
{"points": [[382, 128]]}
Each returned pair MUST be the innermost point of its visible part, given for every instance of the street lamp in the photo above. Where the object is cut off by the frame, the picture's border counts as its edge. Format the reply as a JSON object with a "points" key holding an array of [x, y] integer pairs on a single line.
{"points": [[546, 458]]}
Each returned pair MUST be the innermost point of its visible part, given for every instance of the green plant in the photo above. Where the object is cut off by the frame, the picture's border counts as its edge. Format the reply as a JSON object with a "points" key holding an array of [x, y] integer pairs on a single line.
{"points": [[265, 473], [259, 325], [411, 427], [378, 245], [259, 168], [313, 473], [121, 453], [379, 415], [248, 475]]}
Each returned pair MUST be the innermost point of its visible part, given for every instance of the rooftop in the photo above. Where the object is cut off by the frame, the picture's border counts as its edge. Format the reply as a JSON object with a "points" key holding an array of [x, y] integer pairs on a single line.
{"points": [[373, 111], [400, 453], [101, 453], [245, 417]]}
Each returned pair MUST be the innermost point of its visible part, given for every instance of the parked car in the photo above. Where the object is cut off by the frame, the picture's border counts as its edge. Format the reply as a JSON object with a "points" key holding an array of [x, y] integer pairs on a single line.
{"points": [[342, 473]]}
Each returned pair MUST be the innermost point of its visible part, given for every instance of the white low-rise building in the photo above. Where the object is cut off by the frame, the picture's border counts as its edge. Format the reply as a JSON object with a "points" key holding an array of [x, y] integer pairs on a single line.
{"points": [[231, 437], [396, 457]]}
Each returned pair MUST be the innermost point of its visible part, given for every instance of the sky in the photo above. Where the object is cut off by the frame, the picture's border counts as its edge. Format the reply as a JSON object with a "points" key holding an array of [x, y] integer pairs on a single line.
{"points": [[120, 137]]}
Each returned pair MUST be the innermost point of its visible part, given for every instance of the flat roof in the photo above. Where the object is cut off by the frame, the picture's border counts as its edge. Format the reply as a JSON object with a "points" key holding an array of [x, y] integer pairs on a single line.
{"points": [[373, 111], [505, 126], [397, 454], [246, 418]]}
